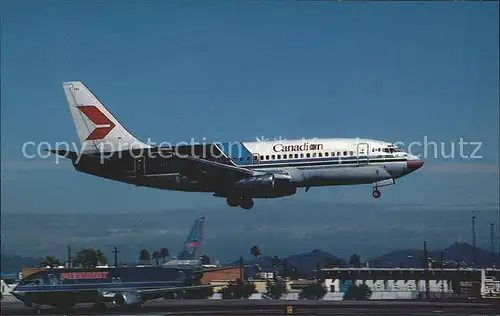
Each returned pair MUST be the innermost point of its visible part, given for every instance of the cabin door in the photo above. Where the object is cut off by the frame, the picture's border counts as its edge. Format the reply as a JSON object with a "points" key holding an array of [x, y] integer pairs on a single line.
{"points": [[256, 159], [363, 153], [52, 279], [139, 166]]}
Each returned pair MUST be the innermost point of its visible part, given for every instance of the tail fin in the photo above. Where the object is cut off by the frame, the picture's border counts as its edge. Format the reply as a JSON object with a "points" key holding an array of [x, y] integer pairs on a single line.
{"points": [[97, 129], [193, 241]]}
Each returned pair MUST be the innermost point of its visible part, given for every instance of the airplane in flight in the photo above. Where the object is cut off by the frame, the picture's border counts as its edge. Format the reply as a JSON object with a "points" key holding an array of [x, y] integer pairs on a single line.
{"points": [[237, 171], [124, 287]]}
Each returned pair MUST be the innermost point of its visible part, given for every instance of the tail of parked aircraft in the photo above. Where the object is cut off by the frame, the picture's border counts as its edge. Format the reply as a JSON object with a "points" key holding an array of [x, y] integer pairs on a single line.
{"points": [[193, 241], [97, 129]]}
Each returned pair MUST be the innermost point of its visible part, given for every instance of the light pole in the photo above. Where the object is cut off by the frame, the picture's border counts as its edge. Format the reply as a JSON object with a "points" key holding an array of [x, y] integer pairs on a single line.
{"points": [[426, 271], [69, 257], [442, 275], [492, 241], [115, 252], [473, 240]]}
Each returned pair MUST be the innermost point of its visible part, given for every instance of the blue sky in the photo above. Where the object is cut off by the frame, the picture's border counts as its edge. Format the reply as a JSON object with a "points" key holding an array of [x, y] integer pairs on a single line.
{"points": [[236, 71]]}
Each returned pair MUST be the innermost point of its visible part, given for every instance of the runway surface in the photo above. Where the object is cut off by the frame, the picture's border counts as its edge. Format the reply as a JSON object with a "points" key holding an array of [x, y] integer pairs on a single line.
{"points": [[278, 307]]}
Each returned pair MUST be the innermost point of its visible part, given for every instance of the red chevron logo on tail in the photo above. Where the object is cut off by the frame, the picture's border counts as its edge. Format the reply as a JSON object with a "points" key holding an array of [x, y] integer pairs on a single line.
{"points": [[103, 123]]}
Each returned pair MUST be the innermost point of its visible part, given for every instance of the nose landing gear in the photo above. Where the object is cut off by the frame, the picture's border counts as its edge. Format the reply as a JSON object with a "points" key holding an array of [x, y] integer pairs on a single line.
{"points": [[376, 193]]}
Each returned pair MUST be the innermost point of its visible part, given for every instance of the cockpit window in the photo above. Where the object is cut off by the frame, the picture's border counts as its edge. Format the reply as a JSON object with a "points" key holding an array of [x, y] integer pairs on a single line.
{"points": [[392, 150]]}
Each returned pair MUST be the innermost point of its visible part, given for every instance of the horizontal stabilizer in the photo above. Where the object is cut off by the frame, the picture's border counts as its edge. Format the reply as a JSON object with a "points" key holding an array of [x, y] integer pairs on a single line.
{"points": [[64, 153]]}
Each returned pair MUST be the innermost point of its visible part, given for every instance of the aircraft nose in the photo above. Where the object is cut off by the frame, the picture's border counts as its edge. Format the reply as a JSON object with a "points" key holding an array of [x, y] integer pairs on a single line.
{"points": [[413, 163]]}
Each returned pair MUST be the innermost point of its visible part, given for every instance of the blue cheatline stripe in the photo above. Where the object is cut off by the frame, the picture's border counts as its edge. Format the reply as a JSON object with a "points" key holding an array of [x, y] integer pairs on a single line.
{"points": [[326, 161], [237, 152], [98, 286]]}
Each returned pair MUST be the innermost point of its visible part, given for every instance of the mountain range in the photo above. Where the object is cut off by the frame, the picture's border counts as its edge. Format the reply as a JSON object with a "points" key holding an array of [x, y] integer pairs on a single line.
{"points": [[305, 263], [460, 252]]}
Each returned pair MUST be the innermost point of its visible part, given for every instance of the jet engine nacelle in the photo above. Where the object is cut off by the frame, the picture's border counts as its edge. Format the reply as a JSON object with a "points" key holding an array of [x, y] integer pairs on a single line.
{"points": [[263, 182], [126, 299], [265, 186]]}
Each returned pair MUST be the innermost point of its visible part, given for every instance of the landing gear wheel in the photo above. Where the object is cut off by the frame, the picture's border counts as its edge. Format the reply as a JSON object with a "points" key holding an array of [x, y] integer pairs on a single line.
{"points": [[232, 201], [376, 193], [246, 203]]}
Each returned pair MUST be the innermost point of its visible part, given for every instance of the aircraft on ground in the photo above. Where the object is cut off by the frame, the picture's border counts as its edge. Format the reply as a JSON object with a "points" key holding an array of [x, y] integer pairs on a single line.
{"points": [[125, 287], [237, 171], [188, 255]]}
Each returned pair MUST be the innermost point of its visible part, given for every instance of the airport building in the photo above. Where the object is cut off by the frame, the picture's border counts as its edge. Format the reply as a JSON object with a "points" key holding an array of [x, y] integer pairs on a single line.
{"points": [[388, 283], [220, 275]]}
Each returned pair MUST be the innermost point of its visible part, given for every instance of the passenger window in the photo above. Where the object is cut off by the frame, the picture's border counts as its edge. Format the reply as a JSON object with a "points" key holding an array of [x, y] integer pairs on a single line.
{"points": [[279, 156], [261, 157], [338, 153], [345, 153], [284, 156], [308, 155], [267, 157], [326, 154], [273, 157], [296, 155], [301, 155], [333, 154], [116, 280], [351, 153], [314, 154]]}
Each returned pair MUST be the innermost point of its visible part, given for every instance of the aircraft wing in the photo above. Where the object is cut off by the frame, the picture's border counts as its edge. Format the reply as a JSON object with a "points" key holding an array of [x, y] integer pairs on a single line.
{"points": [[175, 289], [202, 169], [62, 152], [147, 294]]}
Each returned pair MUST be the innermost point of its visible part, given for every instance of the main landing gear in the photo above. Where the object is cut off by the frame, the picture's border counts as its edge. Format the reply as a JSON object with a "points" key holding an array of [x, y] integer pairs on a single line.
{"points": [[376, 193], [245, 202]]}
